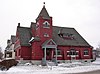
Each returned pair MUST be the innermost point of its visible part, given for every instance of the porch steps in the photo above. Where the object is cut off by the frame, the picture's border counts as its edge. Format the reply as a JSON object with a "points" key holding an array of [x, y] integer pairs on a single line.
{"points": [[50, 63], [45, 62]]}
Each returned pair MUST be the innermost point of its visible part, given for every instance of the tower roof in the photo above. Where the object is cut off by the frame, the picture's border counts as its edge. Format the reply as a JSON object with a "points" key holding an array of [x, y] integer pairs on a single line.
{"points": [[13, 38], [43, 14]]}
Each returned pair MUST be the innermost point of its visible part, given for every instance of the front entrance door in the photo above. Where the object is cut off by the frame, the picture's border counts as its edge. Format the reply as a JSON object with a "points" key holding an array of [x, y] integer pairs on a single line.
{"points": [[49, 54]]}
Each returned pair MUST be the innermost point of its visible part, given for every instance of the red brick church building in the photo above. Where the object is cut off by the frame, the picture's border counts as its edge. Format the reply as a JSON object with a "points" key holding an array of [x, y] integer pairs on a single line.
{"points": [[42, 42]]}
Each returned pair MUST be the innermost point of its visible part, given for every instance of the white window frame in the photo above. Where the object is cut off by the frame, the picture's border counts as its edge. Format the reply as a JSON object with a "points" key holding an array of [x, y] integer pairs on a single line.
{"points": [[73, 55], [46, 24], [46, 35], [86, 52]]}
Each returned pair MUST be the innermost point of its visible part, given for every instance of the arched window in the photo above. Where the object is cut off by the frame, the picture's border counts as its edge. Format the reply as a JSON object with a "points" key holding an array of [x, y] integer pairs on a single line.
{"points": [[46, 24]]}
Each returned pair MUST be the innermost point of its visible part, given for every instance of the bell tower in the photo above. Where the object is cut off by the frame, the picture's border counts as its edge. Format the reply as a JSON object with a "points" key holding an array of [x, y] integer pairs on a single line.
{"points": [[44, 25]]}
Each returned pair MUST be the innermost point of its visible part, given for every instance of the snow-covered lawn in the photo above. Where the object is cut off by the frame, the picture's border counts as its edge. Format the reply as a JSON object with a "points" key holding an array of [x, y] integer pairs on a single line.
{"points": [[61, 68]]}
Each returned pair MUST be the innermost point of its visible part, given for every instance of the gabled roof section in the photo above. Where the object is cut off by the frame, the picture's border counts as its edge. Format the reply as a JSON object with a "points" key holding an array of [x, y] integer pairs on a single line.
{"points": [[43, 14], [77, 39], [49, 44], [13, 39], [24, 35]]}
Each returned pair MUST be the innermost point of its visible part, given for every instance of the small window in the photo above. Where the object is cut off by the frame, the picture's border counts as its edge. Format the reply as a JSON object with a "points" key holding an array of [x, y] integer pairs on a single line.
{"points": [[10, 54], [72, 52], [86, 52], [46, 35], [58, 52], [37, 25], [68, 53], [46, 25]]}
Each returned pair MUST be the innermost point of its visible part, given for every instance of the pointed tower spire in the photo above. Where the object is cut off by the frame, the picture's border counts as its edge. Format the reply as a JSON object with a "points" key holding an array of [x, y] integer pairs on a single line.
{"points": [[43, 13]]}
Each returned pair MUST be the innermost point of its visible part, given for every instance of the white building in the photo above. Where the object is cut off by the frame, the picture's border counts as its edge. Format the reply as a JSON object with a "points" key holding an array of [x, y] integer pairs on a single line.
{"points": [[9, 51]]}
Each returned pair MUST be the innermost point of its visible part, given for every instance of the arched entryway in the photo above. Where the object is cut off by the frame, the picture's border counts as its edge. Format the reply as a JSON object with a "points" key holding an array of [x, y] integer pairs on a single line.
{"points": [[49, 47]]}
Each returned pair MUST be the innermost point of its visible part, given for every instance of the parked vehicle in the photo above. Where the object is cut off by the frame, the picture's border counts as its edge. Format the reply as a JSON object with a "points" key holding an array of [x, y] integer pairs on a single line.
{"points": [[6, 64]]}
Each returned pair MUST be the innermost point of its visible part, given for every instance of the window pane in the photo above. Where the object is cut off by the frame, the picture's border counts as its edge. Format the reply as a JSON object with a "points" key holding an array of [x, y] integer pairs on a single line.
{"points": [[58, 52], [86, 52], [46, 35], [72, 52], [46, 25]]}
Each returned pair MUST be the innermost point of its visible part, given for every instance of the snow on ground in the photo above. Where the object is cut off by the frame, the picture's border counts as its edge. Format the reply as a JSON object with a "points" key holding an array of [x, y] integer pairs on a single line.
{"points": [[97, 61], [61, 68]]}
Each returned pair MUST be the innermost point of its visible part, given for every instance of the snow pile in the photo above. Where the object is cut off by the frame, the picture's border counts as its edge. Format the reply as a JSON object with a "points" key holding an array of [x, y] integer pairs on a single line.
{"points": [[76, 67], [97, 61]]}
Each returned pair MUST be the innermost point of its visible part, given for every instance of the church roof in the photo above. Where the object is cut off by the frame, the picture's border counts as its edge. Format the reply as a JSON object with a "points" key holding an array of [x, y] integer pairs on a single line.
{"points": [[49, 43], [43, 14], [13, 39], [24, 35], [75, 40]]}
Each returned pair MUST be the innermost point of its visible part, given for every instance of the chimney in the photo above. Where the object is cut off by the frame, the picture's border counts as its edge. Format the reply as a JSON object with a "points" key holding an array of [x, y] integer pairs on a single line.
{"points": [[31, 23], [8, 41], [18, 24]]}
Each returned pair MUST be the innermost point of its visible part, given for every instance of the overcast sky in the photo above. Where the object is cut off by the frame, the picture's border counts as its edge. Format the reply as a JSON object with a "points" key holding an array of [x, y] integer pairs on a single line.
{"points": [[83, 15]]}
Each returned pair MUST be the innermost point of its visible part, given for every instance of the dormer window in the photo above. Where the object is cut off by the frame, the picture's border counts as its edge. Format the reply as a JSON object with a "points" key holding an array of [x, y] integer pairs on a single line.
{"points": [[46, 24], [67, 36], [46, 35]]}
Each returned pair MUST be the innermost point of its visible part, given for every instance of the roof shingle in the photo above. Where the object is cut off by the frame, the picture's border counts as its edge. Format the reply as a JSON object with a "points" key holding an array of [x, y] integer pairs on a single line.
{"points": [[24, 35], [77, 41]]}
